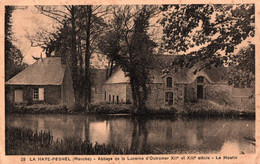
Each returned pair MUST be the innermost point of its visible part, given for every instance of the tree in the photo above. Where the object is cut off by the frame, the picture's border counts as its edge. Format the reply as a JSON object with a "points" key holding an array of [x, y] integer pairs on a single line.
{"points": [[75, 37], [88, 11], [213, 31], [242, 73], [13, 56], [109, 44], [129, 45]]}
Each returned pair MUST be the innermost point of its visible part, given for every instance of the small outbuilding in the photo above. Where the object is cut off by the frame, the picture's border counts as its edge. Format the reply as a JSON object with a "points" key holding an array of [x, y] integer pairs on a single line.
{"points": [[48, 81]]}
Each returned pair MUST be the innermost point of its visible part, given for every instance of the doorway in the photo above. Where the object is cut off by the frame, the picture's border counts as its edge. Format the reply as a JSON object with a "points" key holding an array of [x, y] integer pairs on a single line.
{"points": [[200, 92]]}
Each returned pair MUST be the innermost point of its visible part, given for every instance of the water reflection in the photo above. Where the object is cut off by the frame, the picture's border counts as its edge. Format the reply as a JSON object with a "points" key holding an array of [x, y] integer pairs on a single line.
{"points": [[142, 135]]}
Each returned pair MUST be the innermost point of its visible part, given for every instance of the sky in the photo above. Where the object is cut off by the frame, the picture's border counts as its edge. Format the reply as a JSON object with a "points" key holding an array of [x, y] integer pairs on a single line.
{"points": [[29, 21]]}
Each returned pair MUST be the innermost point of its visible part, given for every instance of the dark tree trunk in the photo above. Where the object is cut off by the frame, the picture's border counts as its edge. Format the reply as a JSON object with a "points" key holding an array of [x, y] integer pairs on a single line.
{"points": [[133, 88], [81, 73], [134, 143], [139, 93], [107, 75], [87, 58], [111, 68], [74, 66]]}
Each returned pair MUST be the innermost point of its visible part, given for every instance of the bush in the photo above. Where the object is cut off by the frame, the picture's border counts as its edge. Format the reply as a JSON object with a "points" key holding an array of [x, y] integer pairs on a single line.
{"points": [[38, 108], [110, 109]]}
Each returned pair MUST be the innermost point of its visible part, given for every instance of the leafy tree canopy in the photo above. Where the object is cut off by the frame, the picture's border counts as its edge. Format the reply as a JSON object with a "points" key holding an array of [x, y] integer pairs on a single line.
{"points": [[211, 33]]}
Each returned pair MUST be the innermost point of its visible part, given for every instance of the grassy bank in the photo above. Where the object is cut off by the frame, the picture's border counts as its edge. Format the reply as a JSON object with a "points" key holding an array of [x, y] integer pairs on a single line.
{"points": [[62, 109], [203, 108], [38, 109], [208, 108], [20, 141]]}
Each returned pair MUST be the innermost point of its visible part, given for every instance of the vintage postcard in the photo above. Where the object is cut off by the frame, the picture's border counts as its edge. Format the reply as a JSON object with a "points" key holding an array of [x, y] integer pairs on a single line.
{"points": [[129, 82]]}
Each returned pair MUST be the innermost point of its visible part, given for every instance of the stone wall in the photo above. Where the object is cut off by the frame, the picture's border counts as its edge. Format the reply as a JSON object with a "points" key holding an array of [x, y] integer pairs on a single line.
{"points": [[52, 94], [222, 94], [114, 90], [156, 96], [190, 93], [244, 102], [219, 93]]}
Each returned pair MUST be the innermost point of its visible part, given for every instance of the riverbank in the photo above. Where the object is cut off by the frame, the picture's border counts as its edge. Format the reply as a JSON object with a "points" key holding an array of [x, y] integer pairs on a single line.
{"points": [[203, 108], [212, 109], [22, 141]]}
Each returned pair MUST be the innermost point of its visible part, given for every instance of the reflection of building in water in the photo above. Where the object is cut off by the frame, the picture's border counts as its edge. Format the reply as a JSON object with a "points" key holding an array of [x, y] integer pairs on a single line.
{"points": [[41, 126], [121, 132], [99, 132]]}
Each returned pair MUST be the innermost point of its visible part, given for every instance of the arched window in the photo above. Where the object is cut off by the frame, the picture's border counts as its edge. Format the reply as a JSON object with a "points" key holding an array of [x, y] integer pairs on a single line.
{"points": [[200, 79], [169, 82], [168, 98]]}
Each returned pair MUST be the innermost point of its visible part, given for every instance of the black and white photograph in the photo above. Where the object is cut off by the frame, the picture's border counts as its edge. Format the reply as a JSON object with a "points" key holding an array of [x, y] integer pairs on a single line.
{"points": [[130, 79]]}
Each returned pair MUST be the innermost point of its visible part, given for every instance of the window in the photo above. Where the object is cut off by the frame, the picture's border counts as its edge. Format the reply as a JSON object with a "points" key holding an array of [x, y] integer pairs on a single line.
{"points": [[113, 98], [109, 98], [169, 82], [200, 83], [105, 96], [38, 94], [117, 99], [200, 94], [35, 94], [200, 79], [168, 98]]}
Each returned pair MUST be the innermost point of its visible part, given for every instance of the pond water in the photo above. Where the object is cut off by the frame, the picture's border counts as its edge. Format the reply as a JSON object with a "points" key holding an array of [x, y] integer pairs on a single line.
{"points": [[175, 136]]}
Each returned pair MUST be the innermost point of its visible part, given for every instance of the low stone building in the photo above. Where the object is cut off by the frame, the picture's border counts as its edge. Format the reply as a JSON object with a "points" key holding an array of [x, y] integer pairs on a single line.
{"points": [[46, 81], [173, 89], [49, 81]]}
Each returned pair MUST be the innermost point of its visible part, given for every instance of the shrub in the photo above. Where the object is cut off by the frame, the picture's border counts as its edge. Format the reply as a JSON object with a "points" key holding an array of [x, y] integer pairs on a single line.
{"points": [[110, 109], [38, 108]]}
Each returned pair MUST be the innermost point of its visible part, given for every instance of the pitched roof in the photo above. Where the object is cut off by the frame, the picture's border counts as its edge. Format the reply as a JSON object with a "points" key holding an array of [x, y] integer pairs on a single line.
{"points": [[48, 71], [217, 74], [184, 75], [164, 61], [118, 77], [213, 75]]}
